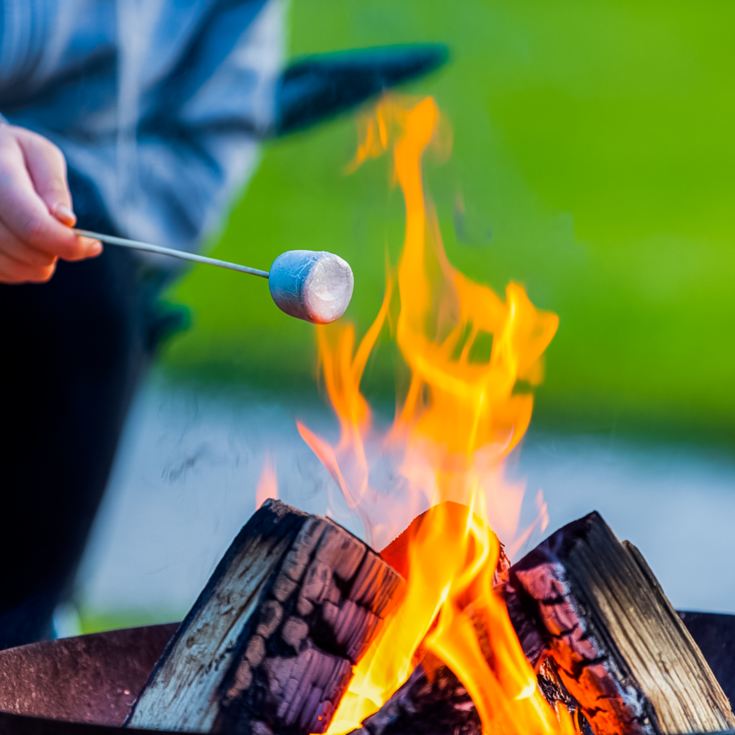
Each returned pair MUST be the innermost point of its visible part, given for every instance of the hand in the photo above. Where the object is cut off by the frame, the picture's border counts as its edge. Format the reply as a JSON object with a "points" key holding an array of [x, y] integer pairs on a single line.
{"points": [[36, 213]]}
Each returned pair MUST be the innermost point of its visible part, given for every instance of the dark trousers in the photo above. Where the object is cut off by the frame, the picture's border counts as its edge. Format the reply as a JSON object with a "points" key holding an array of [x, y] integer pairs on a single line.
{"points": [[71, 354]]}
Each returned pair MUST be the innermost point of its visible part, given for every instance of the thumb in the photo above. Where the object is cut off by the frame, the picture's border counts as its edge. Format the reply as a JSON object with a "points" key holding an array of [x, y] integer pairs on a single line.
{"points": [[47, 168]]}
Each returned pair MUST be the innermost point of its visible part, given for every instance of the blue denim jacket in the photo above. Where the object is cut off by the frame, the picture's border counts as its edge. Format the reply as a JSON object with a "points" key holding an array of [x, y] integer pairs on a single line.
{"points": [[158, 104]]}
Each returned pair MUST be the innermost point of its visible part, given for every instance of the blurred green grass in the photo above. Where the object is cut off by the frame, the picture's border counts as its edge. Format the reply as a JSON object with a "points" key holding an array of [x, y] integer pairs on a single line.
{"points": [[94, 621], [593, 161]]}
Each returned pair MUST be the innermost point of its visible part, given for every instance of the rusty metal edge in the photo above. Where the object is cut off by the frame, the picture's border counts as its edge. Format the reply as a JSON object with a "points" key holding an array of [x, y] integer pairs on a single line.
{"points": [[715, 633]]}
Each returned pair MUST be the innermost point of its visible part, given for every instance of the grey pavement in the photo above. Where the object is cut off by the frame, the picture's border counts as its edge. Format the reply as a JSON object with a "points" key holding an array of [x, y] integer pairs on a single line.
{"points": [[186, 476]]}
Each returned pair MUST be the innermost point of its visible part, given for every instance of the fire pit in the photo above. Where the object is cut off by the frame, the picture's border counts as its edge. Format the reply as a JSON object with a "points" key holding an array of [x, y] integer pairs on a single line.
{"points": [[88, 684], [53, 686]]}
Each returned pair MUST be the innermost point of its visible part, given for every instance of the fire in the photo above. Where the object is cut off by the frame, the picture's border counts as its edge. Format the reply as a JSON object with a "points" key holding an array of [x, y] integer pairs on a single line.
{"points": [[267, 484], [472, 358]]}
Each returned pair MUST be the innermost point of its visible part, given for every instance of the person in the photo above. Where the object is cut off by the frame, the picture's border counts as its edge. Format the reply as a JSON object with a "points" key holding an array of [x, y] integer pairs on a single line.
{"points": [[139, 118]]}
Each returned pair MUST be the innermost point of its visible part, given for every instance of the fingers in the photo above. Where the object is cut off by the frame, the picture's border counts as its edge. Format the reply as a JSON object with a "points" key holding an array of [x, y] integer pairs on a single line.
{"points": [[47, 168], [20, 263], [23, 253], [15, 272], [24, 213], [83, 248]]}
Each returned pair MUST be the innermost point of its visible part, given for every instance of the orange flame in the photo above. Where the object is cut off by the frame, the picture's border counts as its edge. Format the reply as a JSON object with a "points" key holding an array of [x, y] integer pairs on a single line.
{"points": [[472, 358], [267, 484]]}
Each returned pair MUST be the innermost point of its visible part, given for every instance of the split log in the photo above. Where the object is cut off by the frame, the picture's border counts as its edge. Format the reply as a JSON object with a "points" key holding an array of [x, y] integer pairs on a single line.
{"points": [[620, 649], [269, 645], [606, 643]]}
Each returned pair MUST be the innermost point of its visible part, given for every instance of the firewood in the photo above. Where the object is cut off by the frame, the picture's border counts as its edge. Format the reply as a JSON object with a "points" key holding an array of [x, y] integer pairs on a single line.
{"points": [[621, 651], [644, 673], [269, 645], [454, 516], [432, 701], [557, 696]]}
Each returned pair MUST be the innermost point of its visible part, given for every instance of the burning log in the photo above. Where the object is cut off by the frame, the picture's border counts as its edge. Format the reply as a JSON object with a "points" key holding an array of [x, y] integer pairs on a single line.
{"points": [[432, 701], [454, 516], [557, 696], [607, 644], [270, 643], [592, 604]]}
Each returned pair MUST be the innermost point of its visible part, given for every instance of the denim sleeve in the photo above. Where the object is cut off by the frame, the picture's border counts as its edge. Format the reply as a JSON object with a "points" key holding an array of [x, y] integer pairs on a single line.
{"points": [[200, 120]]}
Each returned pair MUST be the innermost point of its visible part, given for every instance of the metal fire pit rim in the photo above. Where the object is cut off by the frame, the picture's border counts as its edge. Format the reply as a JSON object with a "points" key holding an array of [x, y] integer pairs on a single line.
{"points": [[17, 724], [149, 641]]}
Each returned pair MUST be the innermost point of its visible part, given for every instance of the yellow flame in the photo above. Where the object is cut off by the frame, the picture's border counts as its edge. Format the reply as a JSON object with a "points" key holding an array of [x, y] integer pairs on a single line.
{"points": [[472, 357]]}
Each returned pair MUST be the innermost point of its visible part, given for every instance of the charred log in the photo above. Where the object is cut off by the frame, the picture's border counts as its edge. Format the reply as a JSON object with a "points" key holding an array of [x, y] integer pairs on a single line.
{"points": [[431, 702], [592, 604], [557, 696], [269, 645], [606, 643], [454, 517]]}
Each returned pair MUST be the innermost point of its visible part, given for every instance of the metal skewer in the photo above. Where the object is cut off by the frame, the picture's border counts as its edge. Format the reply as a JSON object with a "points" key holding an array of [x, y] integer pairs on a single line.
{"points": [[180, 254], [312, 285]]}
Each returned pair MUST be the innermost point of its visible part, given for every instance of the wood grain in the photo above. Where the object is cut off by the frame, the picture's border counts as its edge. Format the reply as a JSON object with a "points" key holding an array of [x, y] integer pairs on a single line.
{"points": [[270, 643], [592, 604]]}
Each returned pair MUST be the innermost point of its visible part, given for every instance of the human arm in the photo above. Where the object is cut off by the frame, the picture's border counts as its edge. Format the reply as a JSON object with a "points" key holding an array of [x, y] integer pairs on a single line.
{"points": [[201, 115]]}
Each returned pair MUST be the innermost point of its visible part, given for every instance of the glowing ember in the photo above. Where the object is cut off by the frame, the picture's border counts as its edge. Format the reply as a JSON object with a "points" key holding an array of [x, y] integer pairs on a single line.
{"points": [[472, 358]]}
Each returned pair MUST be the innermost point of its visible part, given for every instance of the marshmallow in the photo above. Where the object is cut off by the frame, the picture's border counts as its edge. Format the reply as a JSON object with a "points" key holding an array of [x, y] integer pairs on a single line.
{"points": [[315, 286]]}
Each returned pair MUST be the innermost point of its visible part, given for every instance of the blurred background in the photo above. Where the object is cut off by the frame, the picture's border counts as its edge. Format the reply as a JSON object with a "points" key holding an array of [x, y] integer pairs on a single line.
{"points": [[593, 161]]}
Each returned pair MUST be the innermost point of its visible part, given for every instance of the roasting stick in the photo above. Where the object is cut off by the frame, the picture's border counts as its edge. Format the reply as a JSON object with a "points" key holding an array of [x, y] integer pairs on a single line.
{"points": [[312, 285], [180, 254]]}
